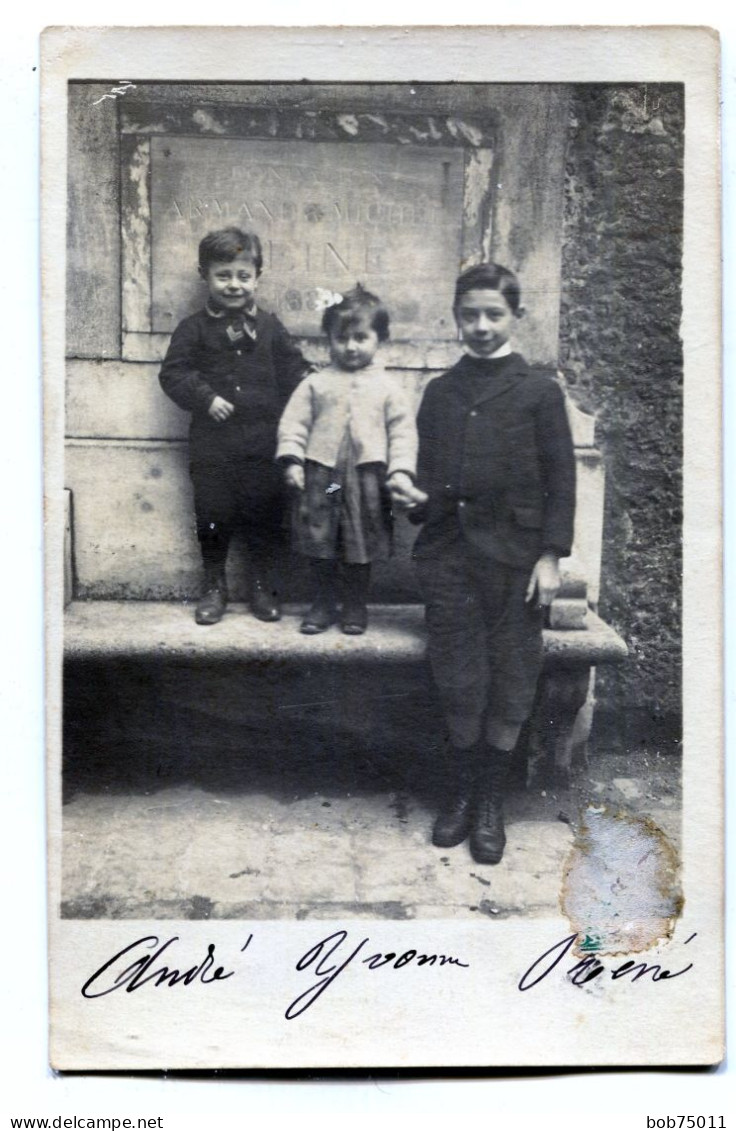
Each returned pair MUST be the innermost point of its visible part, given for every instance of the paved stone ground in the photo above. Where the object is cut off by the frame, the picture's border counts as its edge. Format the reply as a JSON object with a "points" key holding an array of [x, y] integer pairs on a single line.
{"points": [[185, 853], [183, 800]]}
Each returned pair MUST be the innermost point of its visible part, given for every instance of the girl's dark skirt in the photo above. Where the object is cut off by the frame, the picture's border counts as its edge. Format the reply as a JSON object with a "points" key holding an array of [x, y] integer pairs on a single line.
{"points": [[343, 512]]}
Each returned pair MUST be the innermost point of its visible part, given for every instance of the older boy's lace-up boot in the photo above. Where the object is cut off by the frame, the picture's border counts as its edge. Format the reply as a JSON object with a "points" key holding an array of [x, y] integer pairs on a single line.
{"points": [[212, 603], [456, 812], [488, 836]]}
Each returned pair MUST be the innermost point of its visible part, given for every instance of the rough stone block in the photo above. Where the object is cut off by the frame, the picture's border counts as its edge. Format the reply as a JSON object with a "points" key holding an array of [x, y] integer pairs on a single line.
{"points": [[133, 527], [119, 400], [567, 613]]}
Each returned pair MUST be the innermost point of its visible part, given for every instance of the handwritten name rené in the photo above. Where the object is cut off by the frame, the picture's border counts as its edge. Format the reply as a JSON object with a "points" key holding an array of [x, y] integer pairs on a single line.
{"points": [[590, 967]]}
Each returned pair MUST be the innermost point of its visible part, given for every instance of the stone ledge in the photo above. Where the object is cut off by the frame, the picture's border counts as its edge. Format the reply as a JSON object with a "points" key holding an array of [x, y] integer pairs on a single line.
{"points": [[95, 630]]}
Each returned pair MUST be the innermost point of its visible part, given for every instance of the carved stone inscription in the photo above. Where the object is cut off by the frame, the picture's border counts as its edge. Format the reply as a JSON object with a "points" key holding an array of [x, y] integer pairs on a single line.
{"points": [[328, 214]]}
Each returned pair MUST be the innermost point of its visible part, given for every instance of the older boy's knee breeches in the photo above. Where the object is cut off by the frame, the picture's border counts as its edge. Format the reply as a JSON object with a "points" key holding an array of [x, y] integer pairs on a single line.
{"points": [[484, 640], [238, 494]]}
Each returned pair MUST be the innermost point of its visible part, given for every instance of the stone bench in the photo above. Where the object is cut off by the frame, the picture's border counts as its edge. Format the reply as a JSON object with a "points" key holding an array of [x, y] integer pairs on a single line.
{"points": [[95, 630], [164, 633], [131, 546]]}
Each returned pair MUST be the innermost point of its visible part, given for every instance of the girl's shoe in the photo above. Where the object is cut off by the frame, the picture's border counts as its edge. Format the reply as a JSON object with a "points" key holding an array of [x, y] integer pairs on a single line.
{"points": [[318, 619], [354, 620], [355, 579]]}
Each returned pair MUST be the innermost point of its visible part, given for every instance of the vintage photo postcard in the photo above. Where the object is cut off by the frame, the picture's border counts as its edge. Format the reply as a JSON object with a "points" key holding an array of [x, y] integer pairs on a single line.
{"points": [[382, 481]]}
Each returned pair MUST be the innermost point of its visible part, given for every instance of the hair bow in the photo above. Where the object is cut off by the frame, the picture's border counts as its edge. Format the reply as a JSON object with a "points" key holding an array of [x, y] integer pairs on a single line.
{"points": [[323, 297]]}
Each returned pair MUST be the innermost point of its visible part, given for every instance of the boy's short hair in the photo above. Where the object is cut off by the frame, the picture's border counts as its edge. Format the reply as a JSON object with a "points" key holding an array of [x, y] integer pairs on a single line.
{"points": [[227, 244], [354, 305], [490, 277]]}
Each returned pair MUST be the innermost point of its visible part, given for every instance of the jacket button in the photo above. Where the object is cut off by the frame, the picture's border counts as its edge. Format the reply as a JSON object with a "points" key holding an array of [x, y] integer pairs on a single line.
{"points": [[461, 503], [237, 388], [474, 413]]}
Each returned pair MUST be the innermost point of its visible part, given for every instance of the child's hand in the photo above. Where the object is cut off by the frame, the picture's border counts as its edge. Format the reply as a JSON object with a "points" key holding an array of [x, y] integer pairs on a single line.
{"points": [[294, 476], [221, 410], [545, 580], [403, 492]]}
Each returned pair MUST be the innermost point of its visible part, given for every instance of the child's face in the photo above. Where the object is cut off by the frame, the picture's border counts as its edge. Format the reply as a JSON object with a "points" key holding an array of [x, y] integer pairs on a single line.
{"points": [[232, 285], [485, 320], [353, 344]]}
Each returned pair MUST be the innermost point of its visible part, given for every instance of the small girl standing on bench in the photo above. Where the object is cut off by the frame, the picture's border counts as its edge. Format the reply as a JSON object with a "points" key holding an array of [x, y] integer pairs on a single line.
{"points": [[347, 441]]}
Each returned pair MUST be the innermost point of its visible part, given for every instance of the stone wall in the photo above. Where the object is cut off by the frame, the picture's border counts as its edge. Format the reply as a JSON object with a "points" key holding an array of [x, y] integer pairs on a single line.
{"points": [[621, 353], [137, 212]]}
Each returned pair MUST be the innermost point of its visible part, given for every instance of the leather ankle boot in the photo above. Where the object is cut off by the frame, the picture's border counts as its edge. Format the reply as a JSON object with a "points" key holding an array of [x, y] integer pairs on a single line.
{"points": [[354, 614], [318, 619], [456, 813], [211, 605], [264, 602], [354, 619], [488, 836], [322, 612]]}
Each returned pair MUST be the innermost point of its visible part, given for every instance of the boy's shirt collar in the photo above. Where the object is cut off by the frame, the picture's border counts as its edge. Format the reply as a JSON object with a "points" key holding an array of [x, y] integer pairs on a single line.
{"points": [[239, 324], [503, 351]]}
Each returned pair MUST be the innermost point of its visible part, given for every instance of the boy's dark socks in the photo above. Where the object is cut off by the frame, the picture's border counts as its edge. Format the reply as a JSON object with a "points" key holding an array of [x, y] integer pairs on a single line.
{"points": [[214, 542]]}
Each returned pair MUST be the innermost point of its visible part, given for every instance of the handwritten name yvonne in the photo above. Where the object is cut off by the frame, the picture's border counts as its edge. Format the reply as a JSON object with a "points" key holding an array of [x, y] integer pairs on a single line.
{"points": [[319, 956]]}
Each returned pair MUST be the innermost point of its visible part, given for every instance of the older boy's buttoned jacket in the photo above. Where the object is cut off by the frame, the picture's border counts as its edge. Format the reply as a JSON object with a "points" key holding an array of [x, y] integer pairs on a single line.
{"points": [[368, 403], [498, 465], [256, 375]]}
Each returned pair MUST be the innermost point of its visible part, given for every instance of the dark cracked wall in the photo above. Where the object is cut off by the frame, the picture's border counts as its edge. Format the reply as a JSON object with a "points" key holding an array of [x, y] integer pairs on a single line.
{"points": [[621, 354]]}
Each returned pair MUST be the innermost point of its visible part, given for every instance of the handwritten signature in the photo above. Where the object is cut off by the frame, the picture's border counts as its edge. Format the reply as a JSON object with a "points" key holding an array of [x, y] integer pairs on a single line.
{"points": [[138, 973], [124, 86], [322, 952], [140, 963], [591, 967]]}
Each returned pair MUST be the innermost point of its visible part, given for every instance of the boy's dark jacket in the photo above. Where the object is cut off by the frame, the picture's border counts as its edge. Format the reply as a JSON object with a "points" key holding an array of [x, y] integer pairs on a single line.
{"points": [[258, 377], [499, 466]]}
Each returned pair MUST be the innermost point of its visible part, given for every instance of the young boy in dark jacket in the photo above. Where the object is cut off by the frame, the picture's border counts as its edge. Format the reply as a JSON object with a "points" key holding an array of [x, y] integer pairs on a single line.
{"points": [[497, 465], [234, 368]]}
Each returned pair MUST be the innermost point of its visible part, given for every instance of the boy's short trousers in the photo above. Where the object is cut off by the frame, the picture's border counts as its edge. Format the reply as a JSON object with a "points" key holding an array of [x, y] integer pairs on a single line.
{"points": [[485, 641], [241, 493]]}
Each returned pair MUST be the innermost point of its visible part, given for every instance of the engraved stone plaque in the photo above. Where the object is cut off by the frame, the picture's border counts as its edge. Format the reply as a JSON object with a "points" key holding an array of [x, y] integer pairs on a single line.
{"points": [[329, 215]]}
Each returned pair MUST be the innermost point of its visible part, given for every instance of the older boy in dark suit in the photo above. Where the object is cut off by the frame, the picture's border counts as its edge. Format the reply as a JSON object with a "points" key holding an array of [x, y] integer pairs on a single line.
{"points": [[497, 465]]}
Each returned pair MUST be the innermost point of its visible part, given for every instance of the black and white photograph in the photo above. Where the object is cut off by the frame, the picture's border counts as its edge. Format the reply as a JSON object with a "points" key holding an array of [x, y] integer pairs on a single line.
{"points": [[367, 472]]}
